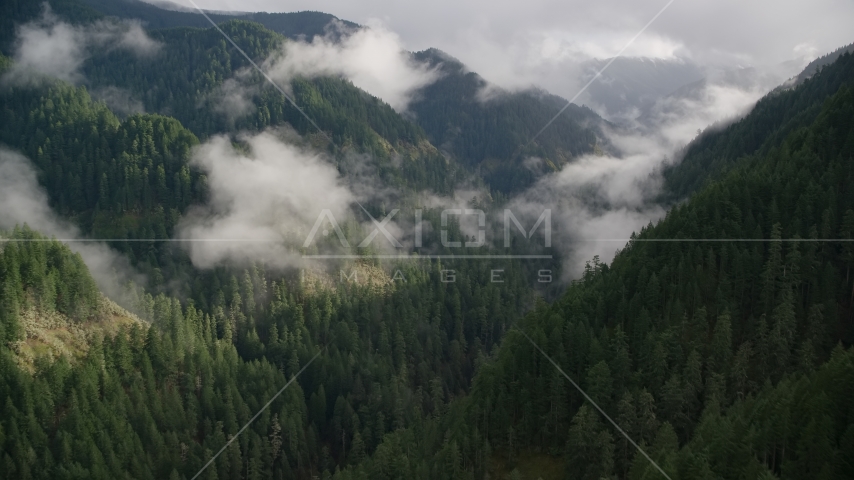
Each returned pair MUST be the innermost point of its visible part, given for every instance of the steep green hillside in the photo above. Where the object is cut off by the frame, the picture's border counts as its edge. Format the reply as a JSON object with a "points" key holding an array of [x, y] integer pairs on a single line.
{"points": [[44, 275], [723, 358]]}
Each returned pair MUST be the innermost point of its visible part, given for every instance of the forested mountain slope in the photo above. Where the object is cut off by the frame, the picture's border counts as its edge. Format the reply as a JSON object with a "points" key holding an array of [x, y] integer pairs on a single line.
{"points": [[723, 358], [395, 350], [190, 76]]}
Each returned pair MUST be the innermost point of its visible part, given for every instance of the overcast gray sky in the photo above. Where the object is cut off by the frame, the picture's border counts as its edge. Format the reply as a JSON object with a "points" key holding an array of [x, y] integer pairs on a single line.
{"points": [[513, 43]]}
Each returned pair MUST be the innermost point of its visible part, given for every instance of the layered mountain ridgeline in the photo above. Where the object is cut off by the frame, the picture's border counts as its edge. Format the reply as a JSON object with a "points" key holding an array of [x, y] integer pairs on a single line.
{"points": [[486, 132], [196, 75], [722, 358], [484, 129], [192, 74], [491, 130], [773, 118]]}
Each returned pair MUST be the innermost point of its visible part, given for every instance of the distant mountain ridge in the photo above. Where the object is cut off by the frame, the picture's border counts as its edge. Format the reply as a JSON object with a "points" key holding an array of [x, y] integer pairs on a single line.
{"points": [[632, 83], [491, 129], [156, 16]]}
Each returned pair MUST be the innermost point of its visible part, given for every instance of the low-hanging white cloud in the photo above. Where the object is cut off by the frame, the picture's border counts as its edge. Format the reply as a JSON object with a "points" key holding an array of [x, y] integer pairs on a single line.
{"points": [[373, 58], [50, 47], [597, 202], [264, 200], [721, 97], [233, 98], [121, 101]]}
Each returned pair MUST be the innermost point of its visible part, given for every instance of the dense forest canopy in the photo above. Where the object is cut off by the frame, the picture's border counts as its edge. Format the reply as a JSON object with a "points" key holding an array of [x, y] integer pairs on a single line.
{"points": [[717, 339]]}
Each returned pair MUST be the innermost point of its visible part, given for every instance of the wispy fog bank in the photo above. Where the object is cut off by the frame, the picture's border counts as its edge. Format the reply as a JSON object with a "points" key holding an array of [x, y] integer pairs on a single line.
{"points": [[50, 47], [373, 58]]}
